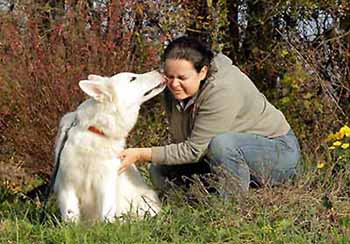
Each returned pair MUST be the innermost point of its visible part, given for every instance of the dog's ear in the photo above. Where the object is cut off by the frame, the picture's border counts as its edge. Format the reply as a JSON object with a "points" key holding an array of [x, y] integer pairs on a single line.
{"points": [[98, 90], [96, 77]]}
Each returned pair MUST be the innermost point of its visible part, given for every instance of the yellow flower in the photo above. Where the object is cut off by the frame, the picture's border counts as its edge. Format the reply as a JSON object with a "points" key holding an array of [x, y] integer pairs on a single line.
{"points": [[339, 135], [331, 137], [345, 146], [331, 148], [320, 164], [345, 130], [337, 143]]}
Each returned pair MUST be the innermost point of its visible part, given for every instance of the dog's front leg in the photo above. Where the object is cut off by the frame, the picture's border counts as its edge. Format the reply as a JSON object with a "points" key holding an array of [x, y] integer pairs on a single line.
{"points": [[108, 202], [69, 205]]}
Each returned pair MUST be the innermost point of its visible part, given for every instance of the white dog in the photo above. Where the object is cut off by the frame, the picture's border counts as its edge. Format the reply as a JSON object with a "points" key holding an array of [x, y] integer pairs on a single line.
{"points": [[87, 181]]}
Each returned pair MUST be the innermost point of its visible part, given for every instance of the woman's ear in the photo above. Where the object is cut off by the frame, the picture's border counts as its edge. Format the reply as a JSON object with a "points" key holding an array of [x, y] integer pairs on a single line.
{"points": [[203, 73]]}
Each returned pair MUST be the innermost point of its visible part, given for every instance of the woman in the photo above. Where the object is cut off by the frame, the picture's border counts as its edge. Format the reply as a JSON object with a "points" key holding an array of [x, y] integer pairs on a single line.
{"points": [[217, 114]]}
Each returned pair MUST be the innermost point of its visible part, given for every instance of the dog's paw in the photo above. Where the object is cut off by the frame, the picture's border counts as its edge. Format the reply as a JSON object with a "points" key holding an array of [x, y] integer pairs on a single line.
{"points": [[70, 216]]}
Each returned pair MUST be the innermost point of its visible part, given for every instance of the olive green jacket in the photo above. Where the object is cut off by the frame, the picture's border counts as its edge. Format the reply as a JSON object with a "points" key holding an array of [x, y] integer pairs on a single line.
{"points": [[227, 102]]}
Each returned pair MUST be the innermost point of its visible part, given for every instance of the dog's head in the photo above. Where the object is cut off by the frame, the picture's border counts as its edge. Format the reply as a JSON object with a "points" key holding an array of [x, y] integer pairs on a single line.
{"points": [[126, 88], [123, 92]]}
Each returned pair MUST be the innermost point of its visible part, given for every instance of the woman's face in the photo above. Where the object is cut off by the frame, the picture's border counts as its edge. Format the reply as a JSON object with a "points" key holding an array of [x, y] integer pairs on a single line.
{"points": [[182, 78]]}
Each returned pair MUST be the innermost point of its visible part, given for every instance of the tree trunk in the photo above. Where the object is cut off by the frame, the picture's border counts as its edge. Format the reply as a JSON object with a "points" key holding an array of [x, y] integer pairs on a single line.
{"points": [[233, 36]]}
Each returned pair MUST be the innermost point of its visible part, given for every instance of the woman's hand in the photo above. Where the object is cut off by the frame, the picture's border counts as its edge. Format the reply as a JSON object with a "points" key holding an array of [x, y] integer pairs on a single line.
{"points": [[131, 156]]}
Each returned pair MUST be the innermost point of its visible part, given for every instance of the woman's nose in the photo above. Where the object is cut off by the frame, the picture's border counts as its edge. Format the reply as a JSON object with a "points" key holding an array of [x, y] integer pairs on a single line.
{"points": [[173, 82]]}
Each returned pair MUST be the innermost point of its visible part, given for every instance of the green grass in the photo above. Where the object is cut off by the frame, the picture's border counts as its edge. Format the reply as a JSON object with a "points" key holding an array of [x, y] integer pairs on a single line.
{"points": [[287, 214]]}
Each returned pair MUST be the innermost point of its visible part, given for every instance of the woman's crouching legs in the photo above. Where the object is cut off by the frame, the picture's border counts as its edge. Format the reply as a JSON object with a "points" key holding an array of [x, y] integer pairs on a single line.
{"points": [[248, 157]]}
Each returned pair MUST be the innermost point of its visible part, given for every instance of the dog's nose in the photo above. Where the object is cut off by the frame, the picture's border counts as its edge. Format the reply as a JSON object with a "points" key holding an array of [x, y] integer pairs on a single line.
{"points": [[164, 79], [161, 69]]}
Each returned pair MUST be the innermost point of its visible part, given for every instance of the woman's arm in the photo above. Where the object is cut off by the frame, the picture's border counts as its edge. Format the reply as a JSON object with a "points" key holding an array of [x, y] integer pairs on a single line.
{"points": [[131, 156]]}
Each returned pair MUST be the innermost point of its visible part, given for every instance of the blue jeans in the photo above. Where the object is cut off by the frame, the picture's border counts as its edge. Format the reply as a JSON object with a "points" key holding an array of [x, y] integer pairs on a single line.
{"points": [[248, 158]]}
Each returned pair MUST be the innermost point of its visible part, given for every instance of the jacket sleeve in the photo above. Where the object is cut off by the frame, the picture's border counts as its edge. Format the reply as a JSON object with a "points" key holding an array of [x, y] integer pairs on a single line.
{"points": [[215, 115]]}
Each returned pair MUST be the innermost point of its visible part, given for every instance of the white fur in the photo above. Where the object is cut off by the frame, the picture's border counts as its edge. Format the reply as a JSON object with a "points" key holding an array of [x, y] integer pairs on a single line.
{"points": [[87, 182]]}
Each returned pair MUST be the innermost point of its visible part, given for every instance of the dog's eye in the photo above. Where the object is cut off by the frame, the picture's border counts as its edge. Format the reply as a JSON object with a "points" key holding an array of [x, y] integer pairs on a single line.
{"points": [[132, 79]]}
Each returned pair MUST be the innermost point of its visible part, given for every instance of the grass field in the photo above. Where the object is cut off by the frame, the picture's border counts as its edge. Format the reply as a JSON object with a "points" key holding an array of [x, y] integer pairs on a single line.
{"points": [[314, 208], [303, 212]]}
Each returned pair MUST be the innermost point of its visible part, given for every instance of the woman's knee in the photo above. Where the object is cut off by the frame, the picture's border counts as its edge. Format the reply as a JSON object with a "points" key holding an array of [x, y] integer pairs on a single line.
{"points": [[222, 145], [216, 147]]}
